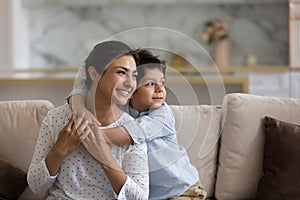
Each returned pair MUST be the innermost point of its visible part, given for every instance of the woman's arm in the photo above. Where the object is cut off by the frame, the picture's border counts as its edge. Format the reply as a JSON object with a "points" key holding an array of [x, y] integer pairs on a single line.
{"points": [[38, 177], [119, 178], [51, 148], [96, 145], [68, 140], [135, 164]]}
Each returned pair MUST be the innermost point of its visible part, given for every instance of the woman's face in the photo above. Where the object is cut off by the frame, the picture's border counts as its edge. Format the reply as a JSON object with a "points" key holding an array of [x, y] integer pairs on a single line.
{"points": [[118, 82]]}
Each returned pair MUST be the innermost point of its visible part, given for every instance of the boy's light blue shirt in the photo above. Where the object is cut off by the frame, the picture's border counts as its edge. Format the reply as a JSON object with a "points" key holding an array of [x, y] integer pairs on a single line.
{"points": [[171, 172]]}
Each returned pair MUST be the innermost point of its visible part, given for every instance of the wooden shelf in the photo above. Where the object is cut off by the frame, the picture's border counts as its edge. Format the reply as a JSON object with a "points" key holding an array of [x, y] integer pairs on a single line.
{"points": [[172, 70], [225, 80], [202, 75], [240, 69]]}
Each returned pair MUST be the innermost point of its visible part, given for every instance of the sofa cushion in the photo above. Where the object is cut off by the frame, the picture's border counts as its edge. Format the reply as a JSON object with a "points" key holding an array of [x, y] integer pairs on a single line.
{"points": [[19, 127], [198, 131], [12, 181], [281, 161], [242, 141]]}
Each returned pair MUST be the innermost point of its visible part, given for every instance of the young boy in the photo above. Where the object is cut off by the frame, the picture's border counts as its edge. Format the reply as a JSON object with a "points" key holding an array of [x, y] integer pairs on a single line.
{"points": [[172, 176]]}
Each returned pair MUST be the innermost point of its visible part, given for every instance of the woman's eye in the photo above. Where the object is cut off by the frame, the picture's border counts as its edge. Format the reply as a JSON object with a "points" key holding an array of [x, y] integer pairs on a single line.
{"points": [[121, 72]]}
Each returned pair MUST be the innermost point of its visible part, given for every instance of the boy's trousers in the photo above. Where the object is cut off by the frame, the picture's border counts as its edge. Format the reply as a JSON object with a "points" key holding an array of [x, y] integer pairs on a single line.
{"points": [[195, 192]]}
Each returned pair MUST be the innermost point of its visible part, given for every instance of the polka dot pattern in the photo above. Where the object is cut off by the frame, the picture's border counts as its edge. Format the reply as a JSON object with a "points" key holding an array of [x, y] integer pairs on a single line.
{"points": [[80, 176]]}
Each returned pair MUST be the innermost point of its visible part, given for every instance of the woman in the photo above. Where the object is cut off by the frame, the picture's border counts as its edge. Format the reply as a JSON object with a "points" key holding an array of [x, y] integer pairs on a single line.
{"points": [[74, 166]]}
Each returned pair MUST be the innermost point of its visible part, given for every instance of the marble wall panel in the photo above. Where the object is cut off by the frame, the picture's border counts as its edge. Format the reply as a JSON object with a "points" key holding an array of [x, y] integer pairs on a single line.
{"points": [[61, 36]]}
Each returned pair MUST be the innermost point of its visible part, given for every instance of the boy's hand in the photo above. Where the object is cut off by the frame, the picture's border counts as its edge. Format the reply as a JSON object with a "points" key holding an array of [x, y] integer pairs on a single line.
{"points": [[87, 115], [77, 104]]}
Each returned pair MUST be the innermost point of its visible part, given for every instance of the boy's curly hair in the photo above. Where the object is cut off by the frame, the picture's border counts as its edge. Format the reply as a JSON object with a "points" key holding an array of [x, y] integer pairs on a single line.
{"points": [[146, 60]]}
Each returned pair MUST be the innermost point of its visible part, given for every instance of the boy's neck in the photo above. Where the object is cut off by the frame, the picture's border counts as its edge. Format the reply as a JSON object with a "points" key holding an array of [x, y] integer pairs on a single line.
{"points": [[134, 106]]}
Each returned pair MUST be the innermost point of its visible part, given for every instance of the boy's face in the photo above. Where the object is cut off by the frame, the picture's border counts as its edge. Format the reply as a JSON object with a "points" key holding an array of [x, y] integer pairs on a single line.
{"points": [[151, 91]]}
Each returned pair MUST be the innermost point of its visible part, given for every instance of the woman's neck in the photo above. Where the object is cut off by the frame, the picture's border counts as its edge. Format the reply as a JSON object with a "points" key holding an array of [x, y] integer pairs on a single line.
{"points": [[107, 115], [105, 111]]}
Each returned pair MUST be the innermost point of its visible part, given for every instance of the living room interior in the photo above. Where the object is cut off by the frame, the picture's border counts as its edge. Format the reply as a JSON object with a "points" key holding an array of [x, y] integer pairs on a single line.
{"points": [[36, 55], [221, 85]]}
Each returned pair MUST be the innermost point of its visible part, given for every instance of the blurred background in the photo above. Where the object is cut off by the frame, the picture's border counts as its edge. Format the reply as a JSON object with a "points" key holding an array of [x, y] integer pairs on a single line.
{"points": [[57, 35]]}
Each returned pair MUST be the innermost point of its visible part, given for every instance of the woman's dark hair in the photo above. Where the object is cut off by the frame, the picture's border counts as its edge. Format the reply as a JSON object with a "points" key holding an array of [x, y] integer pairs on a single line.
{"points": [[146, 60], [103, 54]]}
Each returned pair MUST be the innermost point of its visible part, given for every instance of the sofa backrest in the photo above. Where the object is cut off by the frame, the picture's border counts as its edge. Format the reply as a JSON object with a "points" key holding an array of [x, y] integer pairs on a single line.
{"points": [[20, 122], [198, 131], [240, 150], [242, 141]]}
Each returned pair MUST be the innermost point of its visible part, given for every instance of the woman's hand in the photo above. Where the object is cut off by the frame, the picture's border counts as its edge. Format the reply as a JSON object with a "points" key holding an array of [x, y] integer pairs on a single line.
{"points": [[67, 141], [95, 143]]}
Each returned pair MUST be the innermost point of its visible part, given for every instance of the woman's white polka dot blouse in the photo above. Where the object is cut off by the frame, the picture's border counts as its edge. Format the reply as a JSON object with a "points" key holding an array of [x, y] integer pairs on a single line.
{"points": [[80, 176]]}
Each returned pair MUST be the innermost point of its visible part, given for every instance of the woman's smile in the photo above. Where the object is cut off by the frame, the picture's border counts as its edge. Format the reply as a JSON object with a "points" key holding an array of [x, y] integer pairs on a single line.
{"points": [[124, 92]]}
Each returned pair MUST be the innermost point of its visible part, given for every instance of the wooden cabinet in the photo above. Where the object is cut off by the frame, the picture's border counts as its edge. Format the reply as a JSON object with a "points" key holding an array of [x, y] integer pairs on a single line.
{"points": [[270, 83]]}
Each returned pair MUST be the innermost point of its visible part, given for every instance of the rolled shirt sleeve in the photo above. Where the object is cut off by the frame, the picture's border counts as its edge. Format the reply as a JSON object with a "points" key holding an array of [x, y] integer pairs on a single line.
{"points": [[155, 123], [79, 86]]}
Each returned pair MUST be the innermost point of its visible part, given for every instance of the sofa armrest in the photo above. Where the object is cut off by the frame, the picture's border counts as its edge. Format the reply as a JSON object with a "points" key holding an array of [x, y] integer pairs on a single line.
{"points": [[19, 127], [20, 122]]}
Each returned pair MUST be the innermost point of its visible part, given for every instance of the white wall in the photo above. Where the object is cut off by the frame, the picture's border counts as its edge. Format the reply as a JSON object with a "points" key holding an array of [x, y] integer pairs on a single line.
{"points": [[14, 37], [5, 36], [20, 34]]}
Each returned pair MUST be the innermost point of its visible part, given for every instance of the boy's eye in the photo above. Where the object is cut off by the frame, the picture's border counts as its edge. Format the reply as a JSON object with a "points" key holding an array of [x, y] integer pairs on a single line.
{"points": [[163, 83], [150, 84]]}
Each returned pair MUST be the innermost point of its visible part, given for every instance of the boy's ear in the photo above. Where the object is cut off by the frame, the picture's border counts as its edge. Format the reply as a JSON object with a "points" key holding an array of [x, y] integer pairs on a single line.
{"points": [[93, 73]]}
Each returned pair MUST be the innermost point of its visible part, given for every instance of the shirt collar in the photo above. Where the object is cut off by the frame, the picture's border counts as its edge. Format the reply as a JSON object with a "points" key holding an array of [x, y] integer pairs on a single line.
{"points": [[135, 113]]}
